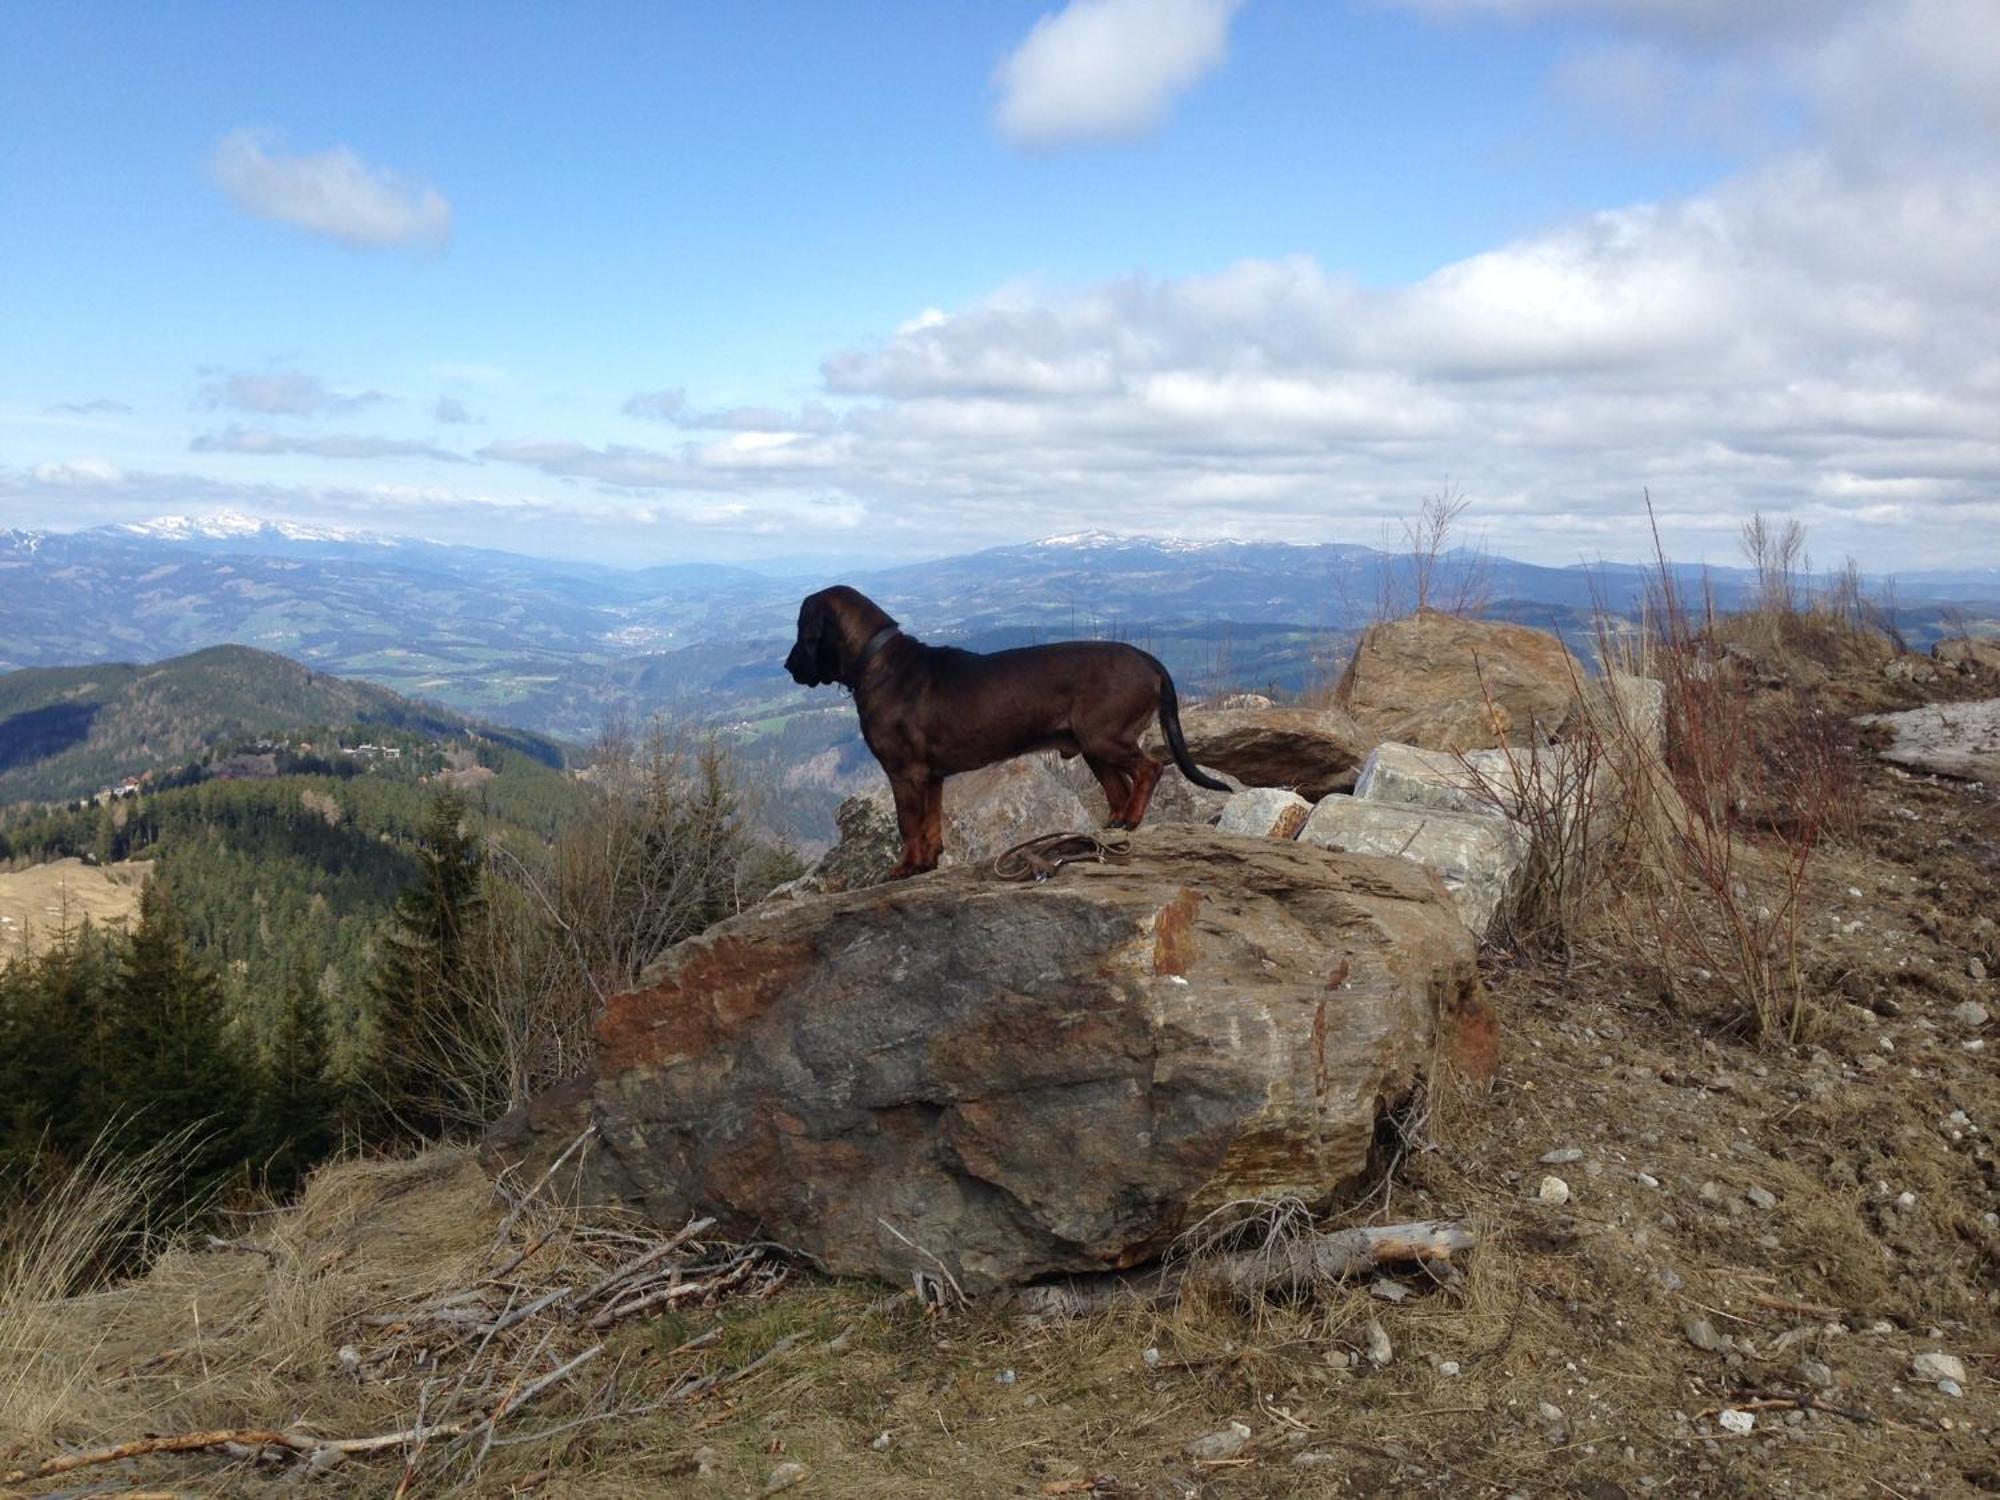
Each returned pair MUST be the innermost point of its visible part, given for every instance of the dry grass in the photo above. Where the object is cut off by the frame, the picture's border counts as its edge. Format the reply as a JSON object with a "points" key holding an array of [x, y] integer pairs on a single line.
{"points": [[59, 1235]]}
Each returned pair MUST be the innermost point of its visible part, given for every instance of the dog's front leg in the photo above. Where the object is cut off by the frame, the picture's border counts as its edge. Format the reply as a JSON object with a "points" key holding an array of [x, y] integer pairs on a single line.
{"points": [[911, 793]]}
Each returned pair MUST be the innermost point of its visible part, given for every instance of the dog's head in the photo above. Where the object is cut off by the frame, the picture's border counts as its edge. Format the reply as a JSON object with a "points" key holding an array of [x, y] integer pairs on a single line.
{"points": [[834, 625]]}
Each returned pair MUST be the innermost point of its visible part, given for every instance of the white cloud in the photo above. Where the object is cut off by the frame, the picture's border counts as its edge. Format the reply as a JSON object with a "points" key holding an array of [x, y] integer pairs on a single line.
{"points": [[1102, 71], [281, 393], [451, 410], [262, 441], [79, 473], [331, 193]]}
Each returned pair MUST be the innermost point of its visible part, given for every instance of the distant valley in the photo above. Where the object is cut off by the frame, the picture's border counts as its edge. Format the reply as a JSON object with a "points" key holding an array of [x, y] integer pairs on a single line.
{"points": [[562, 649]]}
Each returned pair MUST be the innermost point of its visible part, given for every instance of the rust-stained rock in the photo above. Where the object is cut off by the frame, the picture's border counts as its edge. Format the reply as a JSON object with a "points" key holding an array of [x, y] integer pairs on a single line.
{"points": [[1419, 680], [1265, 812], [1312, 751], [1026, 1079]]}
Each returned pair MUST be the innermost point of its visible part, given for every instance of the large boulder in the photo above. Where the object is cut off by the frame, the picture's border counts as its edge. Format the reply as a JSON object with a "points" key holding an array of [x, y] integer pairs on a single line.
{"points": [[1014, 1080], [1313, 751], [1446, 683], [1970, 656], [1545, 785], [1479, 857], [1960, 740]]}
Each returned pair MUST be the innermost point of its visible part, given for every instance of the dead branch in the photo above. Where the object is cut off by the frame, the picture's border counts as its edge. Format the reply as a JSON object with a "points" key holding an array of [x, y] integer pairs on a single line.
{"points": [[1288, 1265], [639, 1263]]}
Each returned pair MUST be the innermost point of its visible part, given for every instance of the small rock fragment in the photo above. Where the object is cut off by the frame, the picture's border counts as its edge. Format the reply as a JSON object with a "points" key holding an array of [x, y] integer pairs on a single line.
{"points": [[1732, 1420], [1380, 1350], [1971, 1013], [1975, 968], [1386, 1290], [1762, 1198], [1951, 1388], [1150, 1358], [1224, 1444], [1005, 1377], [1701, 1333], [1816, 1373], [1934, 1366], [882, 1442], [1553, 1191], [1561, 1156], [784, 1477]]}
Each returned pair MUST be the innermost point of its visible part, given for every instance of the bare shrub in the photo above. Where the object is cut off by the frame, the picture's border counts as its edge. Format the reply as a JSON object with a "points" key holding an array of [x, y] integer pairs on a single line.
{"points": [[1756, 783], [1777, 553], [1431, 574], [662, 854]]}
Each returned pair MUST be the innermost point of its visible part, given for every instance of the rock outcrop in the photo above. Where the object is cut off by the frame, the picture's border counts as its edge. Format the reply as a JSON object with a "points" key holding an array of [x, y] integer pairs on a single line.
{"points": [[1478, 856], [1446, 683], [1970, 656], [1312, 751], [1960, 740], [1010, 1081]]}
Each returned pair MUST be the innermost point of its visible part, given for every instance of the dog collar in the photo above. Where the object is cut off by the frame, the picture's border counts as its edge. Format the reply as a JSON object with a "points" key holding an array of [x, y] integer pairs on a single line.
{"points": [[874, 644]]}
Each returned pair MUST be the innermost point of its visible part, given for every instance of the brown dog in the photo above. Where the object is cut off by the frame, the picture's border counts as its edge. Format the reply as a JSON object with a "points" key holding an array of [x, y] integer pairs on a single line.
{"points": [[929, 712]]}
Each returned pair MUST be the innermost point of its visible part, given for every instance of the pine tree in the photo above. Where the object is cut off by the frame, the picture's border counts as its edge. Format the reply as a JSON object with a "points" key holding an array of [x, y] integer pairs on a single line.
{"points": [[421, 991], [172, 1068], [298, 1098], [52, 1088]]}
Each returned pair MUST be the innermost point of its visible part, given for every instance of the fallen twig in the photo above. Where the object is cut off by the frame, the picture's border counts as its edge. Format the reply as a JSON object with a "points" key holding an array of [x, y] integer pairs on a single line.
{"points": [[639, 1263], [1287, 1266], [1761, 1400], [1792, 1305]]}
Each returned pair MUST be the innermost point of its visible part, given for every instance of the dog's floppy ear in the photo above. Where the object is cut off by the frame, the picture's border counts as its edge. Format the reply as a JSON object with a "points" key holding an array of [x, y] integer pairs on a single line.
{"points": [[815, 657]]}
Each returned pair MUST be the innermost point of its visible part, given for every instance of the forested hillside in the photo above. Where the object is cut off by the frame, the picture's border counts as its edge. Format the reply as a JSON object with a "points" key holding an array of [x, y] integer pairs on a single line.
{"points": [[70, 731]]}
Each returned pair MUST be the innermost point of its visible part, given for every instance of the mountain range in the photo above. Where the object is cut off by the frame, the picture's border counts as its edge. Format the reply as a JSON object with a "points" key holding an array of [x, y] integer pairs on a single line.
{"points": [[561, 647]]}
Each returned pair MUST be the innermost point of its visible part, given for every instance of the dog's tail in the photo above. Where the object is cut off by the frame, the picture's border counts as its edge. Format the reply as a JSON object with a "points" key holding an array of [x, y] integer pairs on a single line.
{"points": [[1170, 726]]}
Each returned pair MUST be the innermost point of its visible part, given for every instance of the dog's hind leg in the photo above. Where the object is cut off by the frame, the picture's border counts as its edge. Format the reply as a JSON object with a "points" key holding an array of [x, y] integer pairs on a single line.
{"points": [[1145, 776], [1117, 789]]}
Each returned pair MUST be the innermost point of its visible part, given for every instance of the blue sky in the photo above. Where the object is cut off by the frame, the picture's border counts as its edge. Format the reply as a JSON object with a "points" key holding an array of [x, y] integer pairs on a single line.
{"points": [[649, 282]]}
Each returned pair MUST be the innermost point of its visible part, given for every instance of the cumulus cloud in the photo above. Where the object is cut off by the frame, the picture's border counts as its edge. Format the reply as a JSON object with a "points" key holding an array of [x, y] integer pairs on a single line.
{"points": [[281, 393], [101, 406], [1104, 71], [262, 441], [333, 194]]}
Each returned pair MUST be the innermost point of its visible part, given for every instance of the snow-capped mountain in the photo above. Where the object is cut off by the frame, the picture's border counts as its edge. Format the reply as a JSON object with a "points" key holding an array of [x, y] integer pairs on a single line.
{"points": [[234, 525]]}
